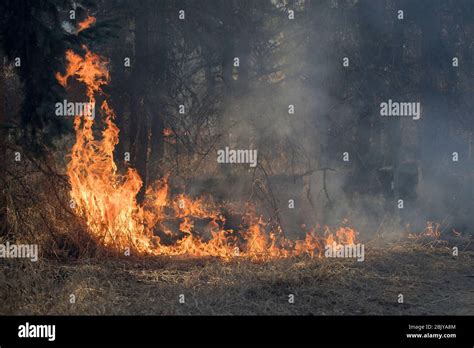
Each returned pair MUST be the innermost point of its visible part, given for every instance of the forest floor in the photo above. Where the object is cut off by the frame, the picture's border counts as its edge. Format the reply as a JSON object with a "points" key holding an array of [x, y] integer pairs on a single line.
{"points": [[431, 280]]}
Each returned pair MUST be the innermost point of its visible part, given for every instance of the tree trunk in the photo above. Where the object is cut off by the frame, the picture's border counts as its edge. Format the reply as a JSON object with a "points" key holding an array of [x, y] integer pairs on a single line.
{"points": [[138, 112], [157, 122], [3, 139]]}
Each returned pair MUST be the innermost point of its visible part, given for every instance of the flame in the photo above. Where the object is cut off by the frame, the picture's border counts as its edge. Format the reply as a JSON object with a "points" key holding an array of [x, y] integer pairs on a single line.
{"points": [[432, 230], [169, 135], [90, 70], [106, 199], [168, 132], [86, 23], [344, 236]]}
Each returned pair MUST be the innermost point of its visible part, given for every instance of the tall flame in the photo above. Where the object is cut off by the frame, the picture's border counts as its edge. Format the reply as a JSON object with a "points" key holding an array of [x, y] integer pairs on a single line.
{"points": [[106, 199]]}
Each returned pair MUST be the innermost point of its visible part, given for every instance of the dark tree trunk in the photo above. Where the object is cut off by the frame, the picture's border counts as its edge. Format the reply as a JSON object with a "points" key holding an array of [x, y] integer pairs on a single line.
{"points": [[433, 56], [3, 139], [157, 122], [395, 51], [139, 134], [362, 180]]}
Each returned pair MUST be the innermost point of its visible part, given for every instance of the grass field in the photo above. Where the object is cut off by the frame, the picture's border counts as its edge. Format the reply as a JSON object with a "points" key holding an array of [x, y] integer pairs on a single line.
{"points": [[430, 279]]}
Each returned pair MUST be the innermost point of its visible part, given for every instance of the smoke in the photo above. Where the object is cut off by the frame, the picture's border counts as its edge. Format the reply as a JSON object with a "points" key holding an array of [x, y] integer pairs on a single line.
{"points": [[294, 101], [304, 150]]}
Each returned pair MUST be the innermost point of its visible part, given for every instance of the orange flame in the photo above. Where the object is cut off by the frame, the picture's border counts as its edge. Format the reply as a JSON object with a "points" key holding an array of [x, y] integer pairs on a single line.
{"points": [[432, 230], [106, 199], [86, 23]]}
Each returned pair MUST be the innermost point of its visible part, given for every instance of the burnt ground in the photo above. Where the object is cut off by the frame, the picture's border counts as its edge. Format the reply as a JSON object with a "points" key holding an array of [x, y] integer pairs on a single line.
{"points": [[431, 280]]}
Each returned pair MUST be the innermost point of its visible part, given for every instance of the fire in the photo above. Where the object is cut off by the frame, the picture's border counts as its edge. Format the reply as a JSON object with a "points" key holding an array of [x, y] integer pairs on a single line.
{"points": [[344, 235], [432, 230], [169, 135], [86, 23], [168, 132], [106, 199]]}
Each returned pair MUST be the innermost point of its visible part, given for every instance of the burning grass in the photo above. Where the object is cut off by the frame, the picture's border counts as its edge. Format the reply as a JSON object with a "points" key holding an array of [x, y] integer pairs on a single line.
{"points": [[247, 268], [106, 200]]}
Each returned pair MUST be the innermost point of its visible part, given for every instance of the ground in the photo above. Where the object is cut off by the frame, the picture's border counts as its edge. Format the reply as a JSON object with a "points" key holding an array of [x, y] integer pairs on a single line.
{"points": [[430, 278]]}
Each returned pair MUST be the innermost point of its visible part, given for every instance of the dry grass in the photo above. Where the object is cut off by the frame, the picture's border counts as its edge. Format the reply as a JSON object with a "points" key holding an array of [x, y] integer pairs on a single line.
{"points": [[431, 280]]}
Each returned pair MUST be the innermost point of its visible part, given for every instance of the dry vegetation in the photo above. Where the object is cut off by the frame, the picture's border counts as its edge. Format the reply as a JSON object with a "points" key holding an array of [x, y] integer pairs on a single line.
{"points": [[250, 109], [431, 280], [423, 270]]}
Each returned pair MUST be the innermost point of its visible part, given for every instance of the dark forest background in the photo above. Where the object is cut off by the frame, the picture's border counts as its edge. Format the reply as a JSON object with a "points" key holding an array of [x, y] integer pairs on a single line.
{"points": [[282, 62]]}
